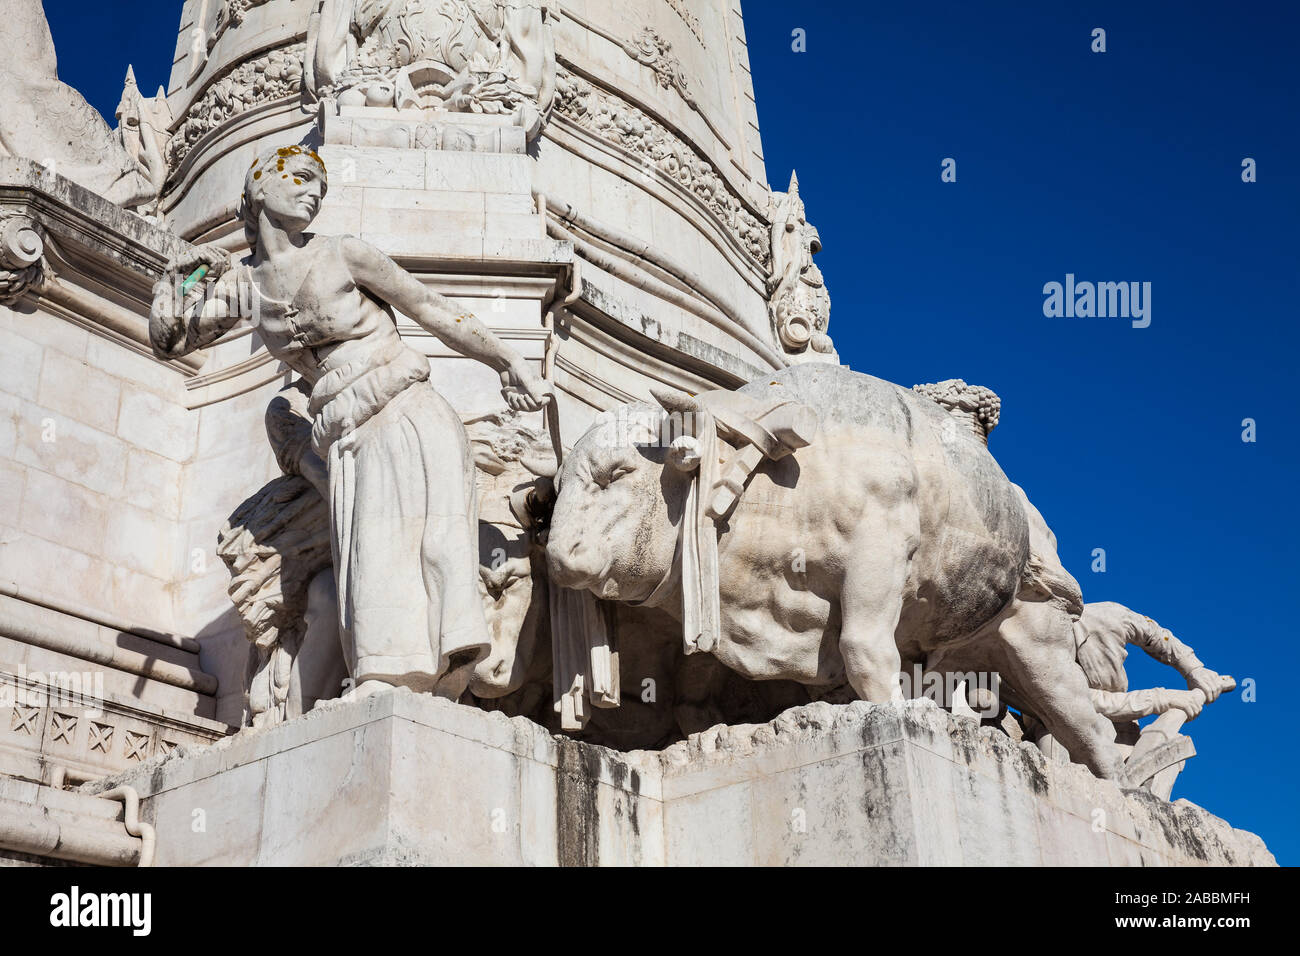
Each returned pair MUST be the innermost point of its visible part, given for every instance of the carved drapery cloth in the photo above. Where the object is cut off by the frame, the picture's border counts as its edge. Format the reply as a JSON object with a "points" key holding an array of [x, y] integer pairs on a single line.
{"points": [[756, 429], [276, 75]]}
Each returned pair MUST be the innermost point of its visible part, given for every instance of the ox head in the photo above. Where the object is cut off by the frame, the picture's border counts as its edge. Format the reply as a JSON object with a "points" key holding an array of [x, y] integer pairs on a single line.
{"points": [[620, 498], [514, 471]]}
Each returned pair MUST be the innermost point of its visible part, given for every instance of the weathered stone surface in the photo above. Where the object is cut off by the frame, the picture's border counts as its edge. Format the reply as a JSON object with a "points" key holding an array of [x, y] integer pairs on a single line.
{"points": [[590, 183], [854, 784]]}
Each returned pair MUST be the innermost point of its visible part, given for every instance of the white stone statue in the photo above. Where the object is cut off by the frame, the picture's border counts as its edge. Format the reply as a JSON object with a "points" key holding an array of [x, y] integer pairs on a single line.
{"points": [[1104, 633], [824, 555], [464, 56], [277, 547], [391, 454], [799, 305], [49, 122]]}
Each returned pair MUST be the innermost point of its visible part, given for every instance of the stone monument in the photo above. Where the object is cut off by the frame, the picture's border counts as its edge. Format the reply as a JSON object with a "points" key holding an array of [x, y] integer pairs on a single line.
{"points": [[440, 389]]}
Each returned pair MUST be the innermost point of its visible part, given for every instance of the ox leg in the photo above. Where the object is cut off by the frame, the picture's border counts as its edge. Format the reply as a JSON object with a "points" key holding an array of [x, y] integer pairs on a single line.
{"points": [[1037, 648], [871, 601]]}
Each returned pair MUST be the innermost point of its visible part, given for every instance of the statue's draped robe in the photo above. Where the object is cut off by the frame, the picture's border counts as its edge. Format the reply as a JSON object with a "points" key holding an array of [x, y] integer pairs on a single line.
{"points": [[49, 122], [403, 499]]}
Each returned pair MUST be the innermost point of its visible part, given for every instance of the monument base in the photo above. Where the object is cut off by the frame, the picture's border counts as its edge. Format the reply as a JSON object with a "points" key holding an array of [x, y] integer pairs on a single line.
{"points": [[399, 778]]}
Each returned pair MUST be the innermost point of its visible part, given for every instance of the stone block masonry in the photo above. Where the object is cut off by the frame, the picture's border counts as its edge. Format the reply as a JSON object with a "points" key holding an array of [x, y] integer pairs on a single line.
{"points": [[855, 784]]}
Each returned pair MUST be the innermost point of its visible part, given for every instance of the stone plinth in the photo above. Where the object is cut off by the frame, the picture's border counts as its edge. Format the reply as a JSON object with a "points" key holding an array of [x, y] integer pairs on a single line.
{"points": [[400, 778]]}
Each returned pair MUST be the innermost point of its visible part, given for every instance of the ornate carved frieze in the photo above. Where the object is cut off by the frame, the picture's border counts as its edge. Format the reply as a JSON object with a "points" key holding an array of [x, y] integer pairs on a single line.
{"points": [[401, 132], [620, 123], [232, 14], [462, 56], [71, 724], [273, 76]]}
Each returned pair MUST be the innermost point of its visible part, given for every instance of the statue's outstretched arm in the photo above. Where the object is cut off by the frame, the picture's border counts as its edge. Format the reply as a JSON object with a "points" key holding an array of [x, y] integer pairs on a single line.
{"points": [[1159, 643], [1136, 704], [458, 329]]}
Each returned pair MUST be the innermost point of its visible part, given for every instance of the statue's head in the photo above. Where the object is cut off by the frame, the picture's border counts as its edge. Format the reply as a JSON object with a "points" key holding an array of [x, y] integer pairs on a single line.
{"points": [[288, 184]]}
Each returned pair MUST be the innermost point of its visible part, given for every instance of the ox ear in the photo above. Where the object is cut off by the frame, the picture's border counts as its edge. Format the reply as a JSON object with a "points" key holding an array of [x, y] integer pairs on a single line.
{"points": [[485, 459], [684, 453]]}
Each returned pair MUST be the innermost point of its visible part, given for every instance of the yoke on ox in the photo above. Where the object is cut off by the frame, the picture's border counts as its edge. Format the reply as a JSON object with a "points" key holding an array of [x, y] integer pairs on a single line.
{"points": [[820, 526]]}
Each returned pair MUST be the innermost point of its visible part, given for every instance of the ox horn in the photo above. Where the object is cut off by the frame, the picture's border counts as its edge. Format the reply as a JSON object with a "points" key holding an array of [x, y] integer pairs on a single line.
{"points": [[685, 414], [542, 464], [673, 400]]}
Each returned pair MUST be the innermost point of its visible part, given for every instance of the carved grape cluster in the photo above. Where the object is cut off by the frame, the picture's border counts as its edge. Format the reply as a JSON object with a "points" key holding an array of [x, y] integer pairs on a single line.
{"points": [[983, 404]]}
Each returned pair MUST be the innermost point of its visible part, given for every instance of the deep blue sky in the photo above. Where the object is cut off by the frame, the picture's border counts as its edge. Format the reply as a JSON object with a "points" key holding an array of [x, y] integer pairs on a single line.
{"points": [[1122, 166]]}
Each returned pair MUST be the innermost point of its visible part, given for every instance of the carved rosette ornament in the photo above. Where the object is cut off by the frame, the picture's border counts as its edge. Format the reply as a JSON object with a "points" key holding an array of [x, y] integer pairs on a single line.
{"points": [[21, 252], [799, 305], [493, 57]]}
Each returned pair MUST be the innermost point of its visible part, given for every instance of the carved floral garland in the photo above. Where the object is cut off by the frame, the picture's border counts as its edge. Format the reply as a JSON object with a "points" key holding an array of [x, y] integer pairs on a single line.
{"points": [[618, 122], [234, 11], [276, 75], [657, 53]]}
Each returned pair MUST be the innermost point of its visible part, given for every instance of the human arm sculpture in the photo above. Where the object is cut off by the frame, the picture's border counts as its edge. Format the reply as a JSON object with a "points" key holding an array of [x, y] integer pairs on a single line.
{"points": [[1114, 625], [180, 323], [458, 329]]}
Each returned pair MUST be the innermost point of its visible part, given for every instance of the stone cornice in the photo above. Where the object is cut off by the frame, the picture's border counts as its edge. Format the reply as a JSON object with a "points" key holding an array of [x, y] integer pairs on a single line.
{"points": [[100, 260]]}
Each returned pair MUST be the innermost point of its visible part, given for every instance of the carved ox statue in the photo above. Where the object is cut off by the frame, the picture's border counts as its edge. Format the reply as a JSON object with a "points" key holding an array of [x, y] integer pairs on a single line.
{"points": [[824, 546]]}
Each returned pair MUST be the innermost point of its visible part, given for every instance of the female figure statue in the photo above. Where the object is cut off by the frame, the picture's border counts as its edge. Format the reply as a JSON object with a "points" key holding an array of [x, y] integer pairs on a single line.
{"points": [[388, 452]]}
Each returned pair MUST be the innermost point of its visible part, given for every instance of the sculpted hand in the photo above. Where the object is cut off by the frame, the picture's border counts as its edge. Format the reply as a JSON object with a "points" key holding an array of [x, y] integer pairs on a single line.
{"points": [[1209, 683], [166, 318], [1188, 701], [213, 256], [523, 390]]}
